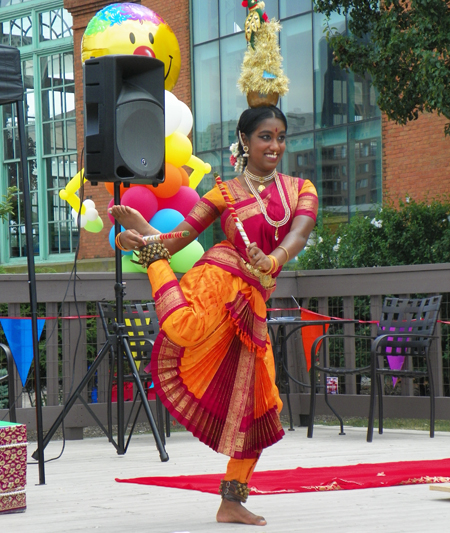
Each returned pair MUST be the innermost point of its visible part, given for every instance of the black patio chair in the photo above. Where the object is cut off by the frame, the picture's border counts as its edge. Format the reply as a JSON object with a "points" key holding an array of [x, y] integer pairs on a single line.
{"points": [[405, 329], [9, 379], [141, 328]]}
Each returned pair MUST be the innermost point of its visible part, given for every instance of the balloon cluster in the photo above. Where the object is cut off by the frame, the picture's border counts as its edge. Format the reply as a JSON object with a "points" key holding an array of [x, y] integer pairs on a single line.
{"points": [[166, 205]]}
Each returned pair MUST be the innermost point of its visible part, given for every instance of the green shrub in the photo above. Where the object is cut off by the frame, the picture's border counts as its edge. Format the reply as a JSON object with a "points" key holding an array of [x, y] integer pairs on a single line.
{"points": [[412, 233]]}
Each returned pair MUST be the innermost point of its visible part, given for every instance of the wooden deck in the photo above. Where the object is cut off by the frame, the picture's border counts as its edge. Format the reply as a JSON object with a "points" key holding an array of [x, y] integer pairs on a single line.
{"points": [[80, 493]]}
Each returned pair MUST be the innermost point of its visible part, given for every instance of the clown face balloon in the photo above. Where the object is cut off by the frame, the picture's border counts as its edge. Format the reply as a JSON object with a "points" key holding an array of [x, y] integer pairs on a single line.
{"points": [[133, 29]]}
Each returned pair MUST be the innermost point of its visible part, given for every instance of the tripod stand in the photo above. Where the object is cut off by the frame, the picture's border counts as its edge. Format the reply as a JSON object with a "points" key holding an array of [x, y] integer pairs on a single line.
{"points": [[119, 346]]}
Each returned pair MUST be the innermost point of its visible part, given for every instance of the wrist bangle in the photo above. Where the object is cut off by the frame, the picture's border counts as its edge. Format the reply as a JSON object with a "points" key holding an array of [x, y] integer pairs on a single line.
{"points": [[274, 265], [286, 252], [118, 245]]}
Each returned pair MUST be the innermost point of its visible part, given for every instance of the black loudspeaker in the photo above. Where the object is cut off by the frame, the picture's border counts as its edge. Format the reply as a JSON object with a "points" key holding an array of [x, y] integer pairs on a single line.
{"points": [[124, 119], [11, 86]]}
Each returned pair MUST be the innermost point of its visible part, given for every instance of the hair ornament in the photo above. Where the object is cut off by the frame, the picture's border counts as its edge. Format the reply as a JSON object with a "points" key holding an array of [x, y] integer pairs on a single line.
{"points": [[236, 158], [262, 79]]}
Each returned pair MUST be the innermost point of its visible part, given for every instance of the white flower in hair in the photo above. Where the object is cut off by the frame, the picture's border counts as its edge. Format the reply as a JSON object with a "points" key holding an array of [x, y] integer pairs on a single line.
{"points": [[234, 149], [236, 159]]}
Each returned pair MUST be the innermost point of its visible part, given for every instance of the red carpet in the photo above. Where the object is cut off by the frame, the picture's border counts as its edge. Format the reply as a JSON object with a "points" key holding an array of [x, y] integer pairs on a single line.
{"points": [[361, 476]]}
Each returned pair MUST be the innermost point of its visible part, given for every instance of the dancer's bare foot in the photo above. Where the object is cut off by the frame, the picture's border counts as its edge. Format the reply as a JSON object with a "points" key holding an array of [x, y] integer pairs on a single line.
{"points": [[235, 512], [130, 218]]}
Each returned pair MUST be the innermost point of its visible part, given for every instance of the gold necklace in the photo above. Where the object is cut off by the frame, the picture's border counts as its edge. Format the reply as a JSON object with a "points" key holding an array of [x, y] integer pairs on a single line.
{"points": [[287, 212], [260, 179]]}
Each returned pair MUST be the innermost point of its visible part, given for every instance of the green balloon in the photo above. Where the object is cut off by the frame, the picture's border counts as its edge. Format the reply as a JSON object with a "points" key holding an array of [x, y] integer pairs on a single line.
{"points": [[185, 259], [94, 226], [128, 266]]}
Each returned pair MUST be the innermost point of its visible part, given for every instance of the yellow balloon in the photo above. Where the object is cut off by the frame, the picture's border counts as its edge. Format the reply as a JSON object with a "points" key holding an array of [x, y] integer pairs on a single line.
{"points": [[200, 169], [133, 29], [178, 149], [68, 193]]}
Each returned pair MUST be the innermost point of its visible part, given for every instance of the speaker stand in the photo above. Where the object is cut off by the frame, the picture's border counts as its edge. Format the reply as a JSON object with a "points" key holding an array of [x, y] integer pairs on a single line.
{"points": [[117, 345]]}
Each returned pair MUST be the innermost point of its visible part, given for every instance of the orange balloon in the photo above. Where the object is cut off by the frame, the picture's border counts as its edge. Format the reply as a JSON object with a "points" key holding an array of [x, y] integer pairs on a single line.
{"points": [[172, 182], [110, 188], [184, 177]]}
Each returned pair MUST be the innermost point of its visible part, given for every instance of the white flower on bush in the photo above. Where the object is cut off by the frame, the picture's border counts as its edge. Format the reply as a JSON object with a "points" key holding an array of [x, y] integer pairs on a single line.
{"points": [[376, 223], [336, 246]]}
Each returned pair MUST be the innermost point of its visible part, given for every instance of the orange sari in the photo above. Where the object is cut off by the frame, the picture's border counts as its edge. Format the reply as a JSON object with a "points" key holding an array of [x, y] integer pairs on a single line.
{"points": [[212, 363]]}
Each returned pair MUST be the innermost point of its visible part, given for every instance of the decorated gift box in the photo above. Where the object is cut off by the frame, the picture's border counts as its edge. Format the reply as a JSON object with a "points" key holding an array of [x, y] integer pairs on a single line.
{"points": [[13, 467]]}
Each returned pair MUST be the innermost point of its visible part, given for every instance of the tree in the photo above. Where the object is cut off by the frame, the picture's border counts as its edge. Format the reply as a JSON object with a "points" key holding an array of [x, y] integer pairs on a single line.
{"points": [[404, 45], [7, 206]]}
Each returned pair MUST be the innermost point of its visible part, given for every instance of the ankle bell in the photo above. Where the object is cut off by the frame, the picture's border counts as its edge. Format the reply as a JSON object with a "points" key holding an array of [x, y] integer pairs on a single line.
{"points": [[234, 491]]}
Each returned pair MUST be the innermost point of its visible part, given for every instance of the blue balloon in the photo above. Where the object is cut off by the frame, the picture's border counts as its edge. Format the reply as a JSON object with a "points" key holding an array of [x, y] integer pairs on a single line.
{"points": [[112, 239], [166, 220]]}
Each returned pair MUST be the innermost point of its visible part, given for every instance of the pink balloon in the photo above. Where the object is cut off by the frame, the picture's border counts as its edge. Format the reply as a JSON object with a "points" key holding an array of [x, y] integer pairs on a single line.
{"points": [[183, 201], [111, 203], [141, 199]]}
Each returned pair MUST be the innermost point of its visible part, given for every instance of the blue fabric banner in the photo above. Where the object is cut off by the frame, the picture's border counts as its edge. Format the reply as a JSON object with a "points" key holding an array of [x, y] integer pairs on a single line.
{"points": [[19, 335]]}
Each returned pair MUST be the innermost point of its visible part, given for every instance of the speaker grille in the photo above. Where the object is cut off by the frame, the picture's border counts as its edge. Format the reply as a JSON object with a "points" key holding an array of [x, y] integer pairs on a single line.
{"points": [[139, 140]]}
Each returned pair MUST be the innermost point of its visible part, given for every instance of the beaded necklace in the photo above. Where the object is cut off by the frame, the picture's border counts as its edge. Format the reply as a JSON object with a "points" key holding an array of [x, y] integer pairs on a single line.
{"points": [[260, 179], [287, 212]]}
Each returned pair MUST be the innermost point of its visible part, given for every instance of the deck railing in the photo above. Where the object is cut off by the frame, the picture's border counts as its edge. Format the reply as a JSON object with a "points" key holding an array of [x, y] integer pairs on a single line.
{"points": [[73, 335]]}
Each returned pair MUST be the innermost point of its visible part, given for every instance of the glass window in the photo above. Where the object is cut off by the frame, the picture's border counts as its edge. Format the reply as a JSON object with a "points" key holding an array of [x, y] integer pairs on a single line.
{"points": [[58, 101], [6, 3], [213, 234], [205, 18], [232, 17], [362, 98], [298, 103], [288, 8], [365, 165], [207, 97], [62, 231], [51, 146], [271, 9], [331, 157], [299, 157], [16, 32], [324, 106], [330, 80], [233, 101], [55, 24], [16, 222]]}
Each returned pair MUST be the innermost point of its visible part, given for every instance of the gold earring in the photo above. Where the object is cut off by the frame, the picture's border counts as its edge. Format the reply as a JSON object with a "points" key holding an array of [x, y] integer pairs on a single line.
{"points": [[246, 154]]}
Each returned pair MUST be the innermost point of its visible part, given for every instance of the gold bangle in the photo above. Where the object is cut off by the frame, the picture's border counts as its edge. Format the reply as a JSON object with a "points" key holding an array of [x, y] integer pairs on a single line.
{"points": [[118, 245], [274, 265], [286, 252]]}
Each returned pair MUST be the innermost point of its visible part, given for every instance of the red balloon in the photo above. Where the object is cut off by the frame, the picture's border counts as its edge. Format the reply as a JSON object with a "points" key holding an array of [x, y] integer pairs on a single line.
{"points": [[141, 199], [183, 201]]}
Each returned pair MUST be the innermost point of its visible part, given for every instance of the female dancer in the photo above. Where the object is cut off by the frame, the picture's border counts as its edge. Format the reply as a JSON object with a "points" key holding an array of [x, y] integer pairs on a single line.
{"points": [[212, 363]]}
